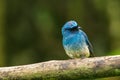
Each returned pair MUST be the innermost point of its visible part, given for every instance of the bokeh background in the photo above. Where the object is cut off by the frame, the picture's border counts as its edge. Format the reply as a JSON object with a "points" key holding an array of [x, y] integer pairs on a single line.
{"points": [[30, 30]]}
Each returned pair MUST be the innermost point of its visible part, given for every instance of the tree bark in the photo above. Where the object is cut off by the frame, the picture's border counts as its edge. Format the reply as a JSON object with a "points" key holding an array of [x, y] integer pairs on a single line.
{"points": [[72, 69]]}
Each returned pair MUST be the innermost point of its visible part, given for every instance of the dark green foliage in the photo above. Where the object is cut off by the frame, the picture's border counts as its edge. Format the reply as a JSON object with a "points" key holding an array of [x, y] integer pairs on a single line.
{"points": [[32, 28]]}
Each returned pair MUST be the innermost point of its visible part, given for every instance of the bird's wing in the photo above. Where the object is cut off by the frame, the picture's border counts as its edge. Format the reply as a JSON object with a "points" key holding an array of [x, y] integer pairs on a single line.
{"points": [[89, 45]]}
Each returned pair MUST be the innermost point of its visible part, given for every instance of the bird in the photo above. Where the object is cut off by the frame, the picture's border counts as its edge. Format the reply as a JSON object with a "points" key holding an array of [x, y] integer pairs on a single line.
{"points": [[75, 41]]}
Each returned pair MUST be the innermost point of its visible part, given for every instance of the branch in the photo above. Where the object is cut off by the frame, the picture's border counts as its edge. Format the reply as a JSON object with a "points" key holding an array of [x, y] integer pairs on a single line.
{"points": [[97, 67]]}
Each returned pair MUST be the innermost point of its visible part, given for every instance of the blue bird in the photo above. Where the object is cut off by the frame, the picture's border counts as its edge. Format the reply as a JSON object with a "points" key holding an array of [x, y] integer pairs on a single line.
{"points": [[75, 41]]}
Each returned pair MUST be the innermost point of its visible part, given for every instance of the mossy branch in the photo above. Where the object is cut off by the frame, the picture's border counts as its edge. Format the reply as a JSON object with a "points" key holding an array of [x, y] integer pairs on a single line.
{"points": [[73, 69]]}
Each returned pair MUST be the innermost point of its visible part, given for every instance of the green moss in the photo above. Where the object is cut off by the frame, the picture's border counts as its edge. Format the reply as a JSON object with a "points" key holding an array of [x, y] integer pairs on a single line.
{"points": [[74, 74]]}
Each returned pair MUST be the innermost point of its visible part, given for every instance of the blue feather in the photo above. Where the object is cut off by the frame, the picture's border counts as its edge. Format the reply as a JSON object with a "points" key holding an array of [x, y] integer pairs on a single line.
{"points": [[75, 41]]}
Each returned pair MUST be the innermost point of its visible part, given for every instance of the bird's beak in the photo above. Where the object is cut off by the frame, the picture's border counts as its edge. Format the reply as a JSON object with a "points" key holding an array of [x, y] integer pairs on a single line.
{"points": [[79, 27]]}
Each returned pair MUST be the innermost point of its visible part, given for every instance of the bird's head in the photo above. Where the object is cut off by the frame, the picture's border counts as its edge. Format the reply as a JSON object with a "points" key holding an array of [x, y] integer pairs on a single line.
{"points": [[70, 27]]}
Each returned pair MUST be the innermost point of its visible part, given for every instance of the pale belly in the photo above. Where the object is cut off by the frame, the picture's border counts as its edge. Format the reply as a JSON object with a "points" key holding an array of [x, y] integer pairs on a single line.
{"points": [[79, 53]]}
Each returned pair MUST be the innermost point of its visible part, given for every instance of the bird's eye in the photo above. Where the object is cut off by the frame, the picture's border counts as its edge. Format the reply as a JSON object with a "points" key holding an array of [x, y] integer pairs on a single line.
{"points": [[74, 29]]}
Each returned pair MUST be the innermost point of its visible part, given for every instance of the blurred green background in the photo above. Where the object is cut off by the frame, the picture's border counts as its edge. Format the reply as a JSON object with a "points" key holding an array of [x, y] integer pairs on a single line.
{"points": [[30, 30]]}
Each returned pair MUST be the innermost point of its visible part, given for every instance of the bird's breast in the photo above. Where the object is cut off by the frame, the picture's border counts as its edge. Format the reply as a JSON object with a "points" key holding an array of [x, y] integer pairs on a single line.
{"points": [[75, 46]]}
